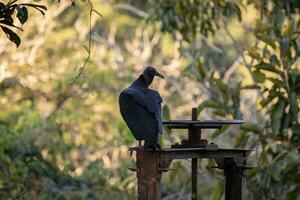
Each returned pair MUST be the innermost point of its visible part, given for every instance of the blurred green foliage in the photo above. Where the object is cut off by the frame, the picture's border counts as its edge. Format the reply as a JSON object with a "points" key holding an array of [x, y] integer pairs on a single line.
{"points": [[231, 59]]}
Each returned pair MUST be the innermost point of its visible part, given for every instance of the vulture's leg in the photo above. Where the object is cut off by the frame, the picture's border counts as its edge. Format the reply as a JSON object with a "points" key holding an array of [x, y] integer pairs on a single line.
{"points": [[140, 143]]}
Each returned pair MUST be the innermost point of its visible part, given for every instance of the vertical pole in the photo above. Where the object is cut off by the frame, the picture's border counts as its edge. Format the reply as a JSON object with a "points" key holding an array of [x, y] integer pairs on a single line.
{"points": [[234, 180], [194, 178], [148, 175], [194, 160], [194, 135]]}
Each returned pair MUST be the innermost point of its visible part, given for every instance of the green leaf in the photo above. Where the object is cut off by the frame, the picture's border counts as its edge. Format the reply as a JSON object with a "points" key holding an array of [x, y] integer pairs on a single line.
{"points": [[284, 47], [253, 53], [276, 115], [264, 102], [266, 38], [201, 69], [254, 86], [294, 157], [12, 36], [166, 116], [274, 60], [285, 120], [296, 48], [294, 108], [277, 83], [222, 86], [267, 67], [258, 76], [241, 139], [220, 131], [262, 27], [22, 14], [251, 127], [166, 112], [289, 31], [275, 171], [279, 19], [252, 172], [209, 104], [219, 112]]}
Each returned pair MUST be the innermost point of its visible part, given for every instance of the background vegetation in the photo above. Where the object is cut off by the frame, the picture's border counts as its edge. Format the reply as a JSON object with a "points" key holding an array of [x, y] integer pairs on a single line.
{"points": [[231, 59]]}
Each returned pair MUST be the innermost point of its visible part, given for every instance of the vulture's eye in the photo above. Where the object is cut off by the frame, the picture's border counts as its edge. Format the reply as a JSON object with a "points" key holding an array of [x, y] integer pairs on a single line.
{"points": [[151, 73]]}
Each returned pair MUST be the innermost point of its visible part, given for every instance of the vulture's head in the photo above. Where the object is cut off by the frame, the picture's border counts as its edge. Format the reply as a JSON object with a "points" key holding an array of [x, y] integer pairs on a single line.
{"points": [[149, 74]]}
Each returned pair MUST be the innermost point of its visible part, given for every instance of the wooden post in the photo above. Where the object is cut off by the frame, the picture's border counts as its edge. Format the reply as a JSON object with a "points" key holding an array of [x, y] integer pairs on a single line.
{"points": [[148, 175], [234, 180]]}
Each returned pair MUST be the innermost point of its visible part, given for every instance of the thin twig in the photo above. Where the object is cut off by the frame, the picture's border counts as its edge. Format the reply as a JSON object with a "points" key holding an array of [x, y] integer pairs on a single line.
{"points": [[132, 9], [89, 46]]}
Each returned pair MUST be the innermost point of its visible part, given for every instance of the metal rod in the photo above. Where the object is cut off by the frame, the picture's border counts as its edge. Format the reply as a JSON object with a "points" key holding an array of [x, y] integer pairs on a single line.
{"points": [[221, 122], [194, 160], [194, 178], [195, 126]]}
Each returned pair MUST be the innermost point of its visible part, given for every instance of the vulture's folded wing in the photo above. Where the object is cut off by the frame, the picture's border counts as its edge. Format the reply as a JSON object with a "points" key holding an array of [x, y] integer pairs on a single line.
{"points": [[154, 106], [136, 95], [140, 121]]}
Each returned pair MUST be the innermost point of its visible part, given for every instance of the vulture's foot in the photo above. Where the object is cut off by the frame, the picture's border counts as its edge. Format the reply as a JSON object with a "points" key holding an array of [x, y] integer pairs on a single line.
{"points": [[157, 146], [149, 147], [152, 147]]}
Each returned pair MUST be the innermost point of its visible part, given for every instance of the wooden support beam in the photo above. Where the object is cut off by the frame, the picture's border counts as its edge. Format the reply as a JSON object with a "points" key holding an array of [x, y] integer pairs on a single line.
{"points": [[148, 175], [234, 180]]}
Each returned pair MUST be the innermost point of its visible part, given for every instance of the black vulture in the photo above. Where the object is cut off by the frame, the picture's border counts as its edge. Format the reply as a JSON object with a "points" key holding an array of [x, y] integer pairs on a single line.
{"points": [[141, 109]]}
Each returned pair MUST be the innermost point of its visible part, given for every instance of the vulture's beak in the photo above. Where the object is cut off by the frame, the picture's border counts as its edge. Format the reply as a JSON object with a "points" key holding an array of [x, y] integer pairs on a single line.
{"points": [[159, 74]]}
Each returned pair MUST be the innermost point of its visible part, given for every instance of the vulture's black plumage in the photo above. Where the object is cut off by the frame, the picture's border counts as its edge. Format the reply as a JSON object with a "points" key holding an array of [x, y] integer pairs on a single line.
{"points": [[141, 108]]}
